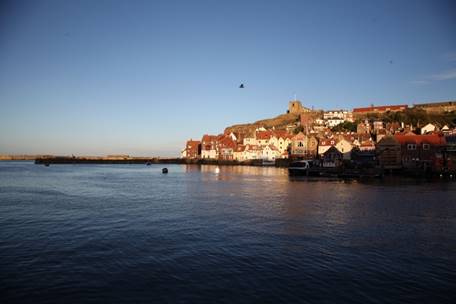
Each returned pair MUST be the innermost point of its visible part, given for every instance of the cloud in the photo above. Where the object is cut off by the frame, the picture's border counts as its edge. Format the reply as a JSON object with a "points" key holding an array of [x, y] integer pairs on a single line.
{"points": [[419, 82], [445, 75], [450, 56]]}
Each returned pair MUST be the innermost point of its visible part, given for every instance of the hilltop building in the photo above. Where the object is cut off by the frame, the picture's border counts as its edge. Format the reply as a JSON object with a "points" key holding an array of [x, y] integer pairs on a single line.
{"points": [[437, 107], [295, 107], [357, 112]]}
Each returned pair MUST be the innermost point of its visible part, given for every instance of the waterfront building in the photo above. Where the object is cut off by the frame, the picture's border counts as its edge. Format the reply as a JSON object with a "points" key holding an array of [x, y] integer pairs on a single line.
{"points": [[281, 140], [345, 147], [226, 146], [263, 137], [450, 152], [303, 146], [249, 141], [367, 145], [332, 158], [270, 152], [209, 147], [325, 144], [388, 151], [252, 152], [238, 153], [192, 149], [422, 151]]}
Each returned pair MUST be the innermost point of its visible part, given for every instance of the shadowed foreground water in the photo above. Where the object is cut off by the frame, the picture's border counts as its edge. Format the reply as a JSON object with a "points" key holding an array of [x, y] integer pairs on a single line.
{"points": [[129, 234]]}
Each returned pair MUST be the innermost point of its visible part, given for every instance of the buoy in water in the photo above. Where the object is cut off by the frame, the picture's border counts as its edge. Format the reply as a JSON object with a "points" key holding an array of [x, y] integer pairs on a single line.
{"points": [[165, 170], [148, 164], [46, 164]]}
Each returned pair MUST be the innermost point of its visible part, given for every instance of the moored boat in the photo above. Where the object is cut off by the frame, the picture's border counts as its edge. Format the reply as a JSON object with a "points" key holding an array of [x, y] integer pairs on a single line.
{"points": [[301, 168]]}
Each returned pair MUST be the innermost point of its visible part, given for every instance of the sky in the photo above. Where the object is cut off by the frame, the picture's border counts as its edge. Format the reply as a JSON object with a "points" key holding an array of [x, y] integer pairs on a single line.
{"points": [[142, 77]]}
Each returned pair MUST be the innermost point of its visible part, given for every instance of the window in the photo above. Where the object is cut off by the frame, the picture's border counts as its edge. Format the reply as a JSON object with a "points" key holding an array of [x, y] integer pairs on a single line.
{"points": [[426, 146], [411, 147]]}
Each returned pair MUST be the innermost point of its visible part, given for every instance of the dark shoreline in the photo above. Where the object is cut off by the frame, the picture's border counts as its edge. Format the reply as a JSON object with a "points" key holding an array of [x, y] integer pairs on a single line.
{"points": [[154, 160], [342, 173]]}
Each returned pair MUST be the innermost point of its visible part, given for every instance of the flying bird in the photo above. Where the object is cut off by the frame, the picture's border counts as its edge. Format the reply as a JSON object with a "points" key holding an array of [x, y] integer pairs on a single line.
{"points": [[241, 86]]}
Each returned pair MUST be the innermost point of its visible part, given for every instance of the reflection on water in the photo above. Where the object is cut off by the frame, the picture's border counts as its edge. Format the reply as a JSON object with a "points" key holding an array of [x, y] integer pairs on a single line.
{"points": [[128, 233]]}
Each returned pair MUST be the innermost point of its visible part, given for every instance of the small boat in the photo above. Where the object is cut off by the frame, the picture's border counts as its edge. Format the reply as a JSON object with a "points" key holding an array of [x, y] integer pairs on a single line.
{"points": [[266, 162], [165, 170], [301, 168], [46, 164], [148, 163]]}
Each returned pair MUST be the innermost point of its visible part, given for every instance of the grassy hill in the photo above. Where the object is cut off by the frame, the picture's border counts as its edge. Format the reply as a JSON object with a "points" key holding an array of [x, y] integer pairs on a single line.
{"points": [[278, 122]]}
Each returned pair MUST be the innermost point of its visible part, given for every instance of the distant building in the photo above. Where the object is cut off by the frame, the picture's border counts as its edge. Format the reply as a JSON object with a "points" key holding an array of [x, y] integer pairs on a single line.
{"points": [[341, 114], [334, 122], [295, 107], [378, 125], [380, 109], [437, 107], [428, 128], [363, 127]]}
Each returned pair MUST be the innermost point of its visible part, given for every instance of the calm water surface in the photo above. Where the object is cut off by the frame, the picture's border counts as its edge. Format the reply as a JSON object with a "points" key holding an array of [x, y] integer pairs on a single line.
{"points": [[129, 234]]}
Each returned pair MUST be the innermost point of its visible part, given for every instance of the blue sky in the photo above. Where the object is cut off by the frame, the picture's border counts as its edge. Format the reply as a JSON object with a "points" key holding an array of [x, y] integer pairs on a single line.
{"points": [[141, 77]]}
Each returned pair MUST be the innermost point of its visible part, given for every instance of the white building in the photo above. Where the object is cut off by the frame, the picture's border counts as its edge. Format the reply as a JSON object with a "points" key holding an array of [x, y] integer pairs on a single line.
{"points": [[428, 128], [334, 122]]}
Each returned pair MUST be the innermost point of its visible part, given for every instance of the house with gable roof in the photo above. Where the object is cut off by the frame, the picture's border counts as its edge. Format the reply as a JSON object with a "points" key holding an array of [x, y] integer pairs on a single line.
{"points": [[238, 153], [270, 152], [422, 151], [345, 147], [304, 146], [226, 146], [192, 149], [209, 147], [388, 151], [325, 144]]}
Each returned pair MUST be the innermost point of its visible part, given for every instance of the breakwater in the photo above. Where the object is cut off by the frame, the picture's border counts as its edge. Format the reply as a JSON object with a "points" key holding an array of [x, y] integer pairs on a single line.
{"points": [[152, 160], [340, 172]]}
